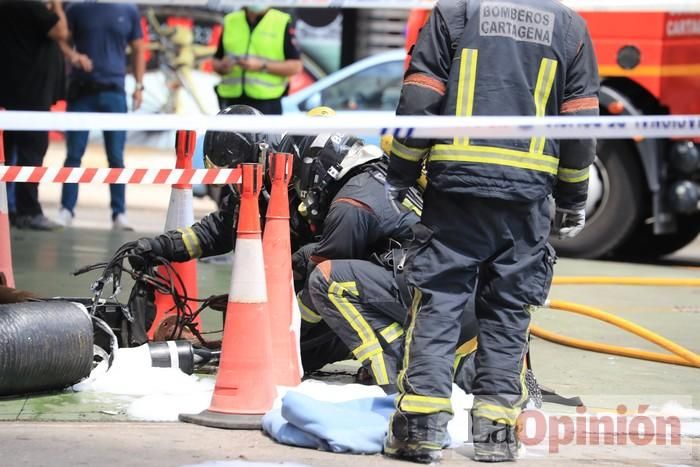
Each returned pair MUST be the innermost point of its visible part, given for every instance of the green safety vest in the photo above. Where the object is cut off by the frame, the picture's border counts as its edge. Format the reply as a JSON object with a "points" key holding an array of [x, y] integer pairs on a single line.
{"points": [[265, 42]]}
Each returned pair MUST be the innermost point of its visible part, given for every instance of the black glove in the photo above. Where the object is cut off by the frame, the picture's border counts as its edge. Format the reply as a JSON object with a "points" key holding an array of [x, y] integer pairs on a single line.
{"points": [[144, 252]]}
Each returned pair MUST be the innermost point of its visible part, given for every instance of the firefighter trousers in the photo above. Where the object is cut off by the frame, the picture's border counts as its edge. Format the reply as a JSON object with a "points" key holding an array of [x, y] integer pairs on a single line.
{"points": [[461, 241], [359, 302]]}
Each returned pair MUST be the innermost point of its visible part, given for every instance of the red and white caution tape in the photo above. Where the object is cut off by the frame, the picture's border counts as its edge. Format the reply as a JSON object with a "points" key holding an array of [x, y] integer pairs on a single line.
{"points": [[120, 176]]}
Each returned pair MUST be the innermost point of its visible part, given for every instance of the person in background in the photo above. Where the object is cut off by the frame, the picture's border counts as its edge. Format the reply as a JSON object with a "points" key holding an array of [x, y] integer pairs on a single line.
{"points": [[29, 32], [257, 54], [100, 35]]}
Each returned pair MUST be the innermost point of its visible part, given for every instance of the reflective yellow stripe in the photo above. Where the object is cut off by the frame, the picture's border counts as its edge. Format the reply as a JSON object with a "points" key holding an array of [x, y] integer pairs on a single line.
{"points": [[573, 175], [408, 153], [496, 413], [424, 404], [366, 351], [467, 79], [464, 350], [370, 347], [408, 204], [189, 238], [543, 88], [496, 156], [468, 347], [415, 309], [307, 314], [391, 332]]}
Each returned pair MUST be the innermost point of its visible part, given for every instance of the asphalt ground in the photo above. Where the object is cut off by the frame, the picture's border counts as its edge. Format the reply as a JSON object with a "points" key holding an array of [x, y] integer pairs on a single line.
{"points": [[72, 429]]}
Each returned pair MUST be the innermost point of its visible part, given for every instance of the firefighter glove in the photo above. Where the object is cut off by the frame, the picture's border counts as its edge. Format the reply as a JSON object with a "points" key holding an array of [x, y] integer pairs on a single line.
{"points": [[144, 253], [569, 222]]}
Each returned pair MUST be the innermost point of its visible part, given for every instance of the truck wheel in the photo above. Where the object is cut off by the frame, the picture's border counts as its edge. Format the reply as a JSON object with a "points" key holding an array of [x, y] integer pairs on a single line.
{"points": [[615, 204], [644, 245]]}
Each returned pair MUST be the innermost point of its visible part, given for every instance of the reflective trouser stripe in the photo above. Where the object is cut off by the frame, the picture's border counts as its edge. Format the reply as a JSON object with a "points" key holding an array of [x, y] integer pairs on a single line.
{"points": [[495, 156], [369, 349], [496, 413], [391, 332], [573, 175], [189, 238], [464, 350], [466, 86], [424, 404], [415, 309], [406, 152], [307, 314], [543, 89]]}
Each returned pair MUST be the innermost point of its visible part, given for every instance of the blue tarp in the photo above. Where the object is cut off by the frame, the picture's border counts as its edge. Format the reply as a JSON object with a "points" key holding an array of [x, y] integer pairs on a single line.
{"points": [[356, 426]]}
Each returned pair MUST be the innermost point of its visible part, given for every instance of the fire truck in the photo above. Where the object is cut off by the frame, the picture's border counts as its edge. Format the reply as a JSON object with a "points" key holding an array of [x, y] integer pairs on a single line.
{"points": [[644, 194]]}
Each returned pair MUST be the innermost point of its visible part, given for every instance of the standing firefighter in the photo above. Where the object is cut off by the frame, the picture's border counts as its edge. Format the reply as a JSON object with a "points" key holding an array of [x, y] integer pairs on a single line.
{"points": [[486, 209]]}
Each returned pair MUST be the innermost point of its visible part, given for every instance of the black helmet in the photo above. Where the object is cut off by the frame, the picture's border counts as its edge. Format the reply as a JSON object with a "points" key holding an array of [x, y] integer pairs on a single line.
{"points": [[324, 160], [228, 149]]}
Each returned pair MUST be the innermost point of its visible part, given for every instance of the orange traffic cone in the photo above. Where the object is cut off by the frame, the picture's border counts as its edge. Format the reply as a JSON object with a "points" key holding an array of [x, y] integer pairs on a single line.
{"points": [[278, 272], [245, 387], [6, 276], [180, 214]]}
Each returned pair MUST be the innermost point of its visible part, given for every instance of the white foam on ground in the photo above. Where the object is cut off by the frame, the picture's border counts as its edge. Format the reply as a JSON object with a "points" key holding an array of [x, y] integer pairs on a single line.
{"points": [[162, 393]]}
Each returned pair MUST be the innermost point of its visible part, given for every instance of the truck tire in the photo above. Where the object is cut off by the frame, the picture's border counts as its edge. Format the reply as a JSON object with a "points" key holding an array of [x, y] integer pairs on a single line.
{"points": [[644, 245], [617, 212]]}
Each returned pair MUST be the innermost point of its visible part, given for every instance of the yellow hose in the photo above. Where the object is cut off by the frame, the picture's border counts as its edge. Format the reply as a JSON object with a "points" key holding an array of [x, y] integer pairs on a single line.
{"points": [[682, 356]]}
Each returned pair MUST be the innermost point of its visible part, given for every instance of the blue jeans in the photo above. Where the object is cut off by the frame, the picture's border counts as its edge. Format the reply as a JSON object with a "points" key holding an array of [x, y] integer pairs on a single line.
{"points": [[76, 142]]}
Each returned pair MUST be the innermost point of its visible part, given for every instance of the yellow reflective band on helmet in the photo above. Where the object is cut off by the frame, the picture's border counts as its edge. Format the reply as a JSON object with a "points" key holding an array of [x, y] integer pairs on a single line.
{"points": [[573, 175], [415, 309], [369, 347], [424, 404], [321, 111], [543, 89], [408, 153], [189, 238], [391, 332], [496, 156], [467, 84], [307, 314], [496, 413]]}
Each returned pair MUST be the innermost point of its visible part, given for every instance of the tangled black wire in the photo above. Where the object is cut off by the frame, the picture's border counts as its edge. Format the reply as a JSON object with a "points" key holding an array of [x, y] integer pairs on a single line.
{"points": [[158, 273]]}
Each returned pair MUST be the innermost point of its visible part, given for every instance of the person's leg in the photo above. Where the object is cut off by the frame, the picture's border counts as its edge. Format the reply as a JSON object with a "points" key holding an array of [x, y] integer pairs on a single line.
{"points": [[31, 148], [358, 301], [442, 275], [76, 142], [115, 102], [513, 282]]}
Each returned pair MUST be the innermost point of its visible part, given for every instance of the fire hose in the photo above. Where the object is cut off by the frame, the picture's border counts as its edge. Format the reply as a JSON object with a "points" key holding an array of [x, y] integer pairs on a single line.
{"points": [[679, 354]]}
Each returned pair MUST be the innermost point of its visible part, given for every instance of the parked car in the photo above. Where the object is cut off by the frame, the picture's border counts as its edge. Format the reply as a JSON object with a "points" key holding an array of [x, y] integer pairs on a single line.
{"points": [[371, 85]]}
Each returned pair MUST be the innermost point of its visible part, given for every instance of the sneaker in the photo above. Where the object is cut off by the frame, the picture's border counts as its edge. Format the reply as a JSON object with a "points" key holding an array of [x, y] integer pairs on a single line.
{"points": [[37, 222], [65, 217], [119, 222]]}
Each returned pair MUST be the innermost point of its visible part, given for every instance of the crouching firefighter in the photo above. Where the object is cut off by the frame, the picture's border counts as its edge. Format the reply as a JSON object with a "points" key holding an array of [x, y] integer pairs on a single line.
{"points": [[487, 208]]}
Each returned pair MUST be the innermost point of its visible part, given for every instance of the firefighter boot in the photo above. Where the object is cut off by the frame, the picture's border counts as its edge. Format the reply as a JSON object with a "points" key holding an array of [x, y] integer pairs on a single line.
{"points": [[417, 437], [494, 441]]}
